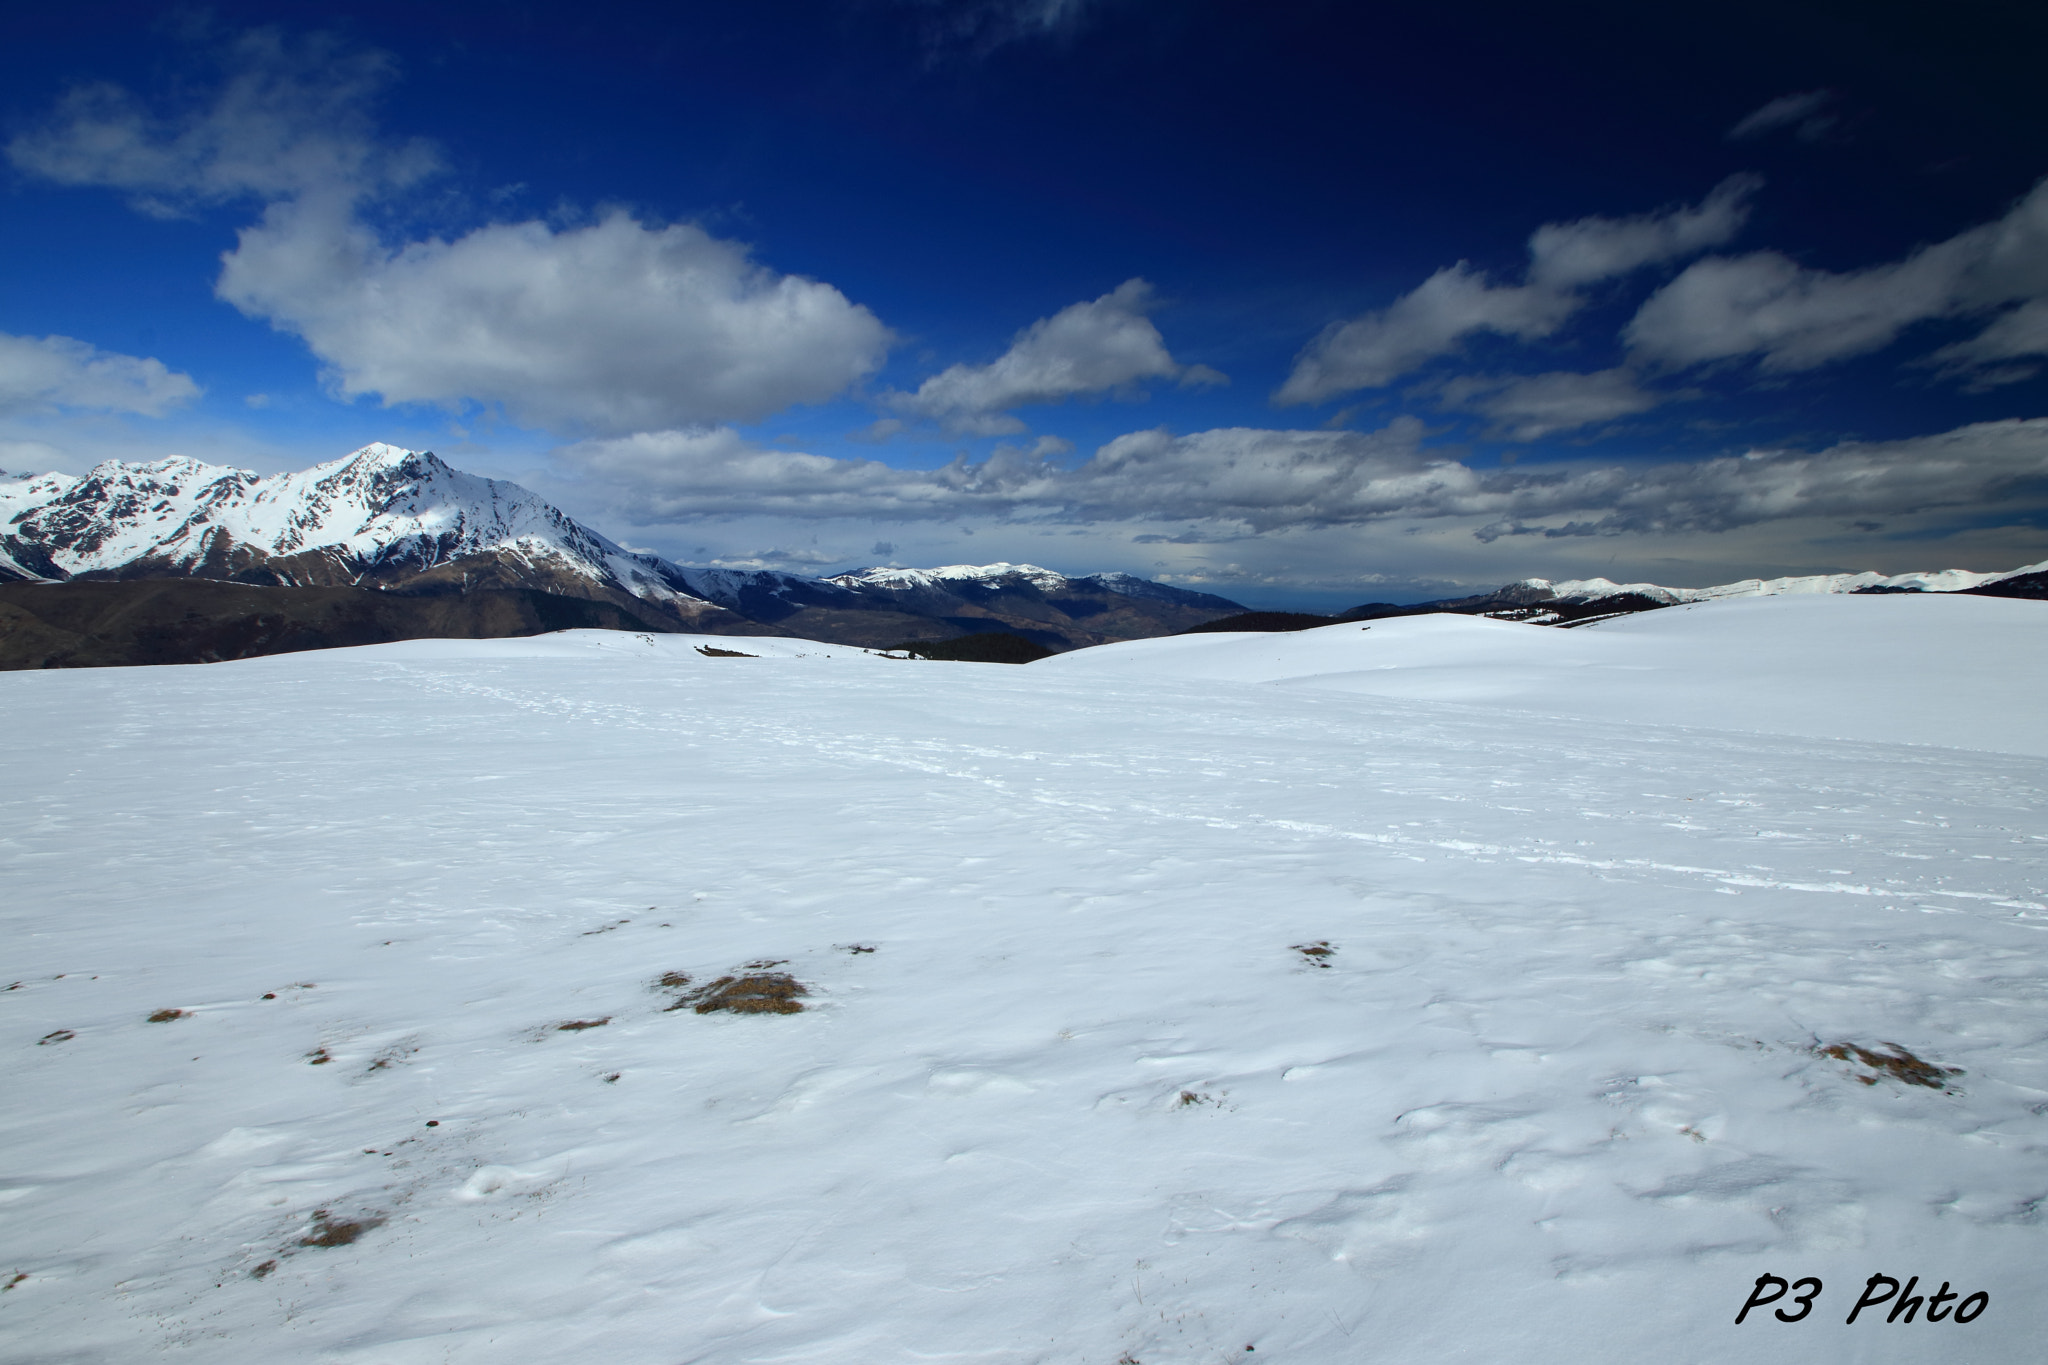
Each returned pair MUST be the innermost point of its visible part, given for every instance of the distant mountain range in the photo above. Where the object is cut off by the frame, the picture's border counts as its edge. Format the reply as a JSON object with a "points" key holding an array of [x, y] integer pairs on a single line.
{"points": [[1582, 601], [180, 561], [405, 525]]}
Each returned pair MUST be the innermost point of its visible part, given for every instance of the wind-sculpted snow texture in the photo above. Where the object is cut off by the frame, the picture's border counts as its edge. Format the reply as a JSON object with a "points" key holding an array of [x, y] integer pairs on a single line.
{"points": [[1146, 1018]]}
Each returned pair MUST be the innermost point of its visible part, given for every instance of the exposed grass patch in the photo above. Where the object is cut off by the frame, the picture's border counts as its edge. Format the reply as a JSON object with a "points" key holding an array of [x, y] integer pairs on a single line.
{"points": [[578, 1025], [713, 652], [318, 1057], [1317, 954], [752, 993], [62, 1035], [1897, 1063], [165, 1016], [672, 981], [329, 1231], [13, 1280]]}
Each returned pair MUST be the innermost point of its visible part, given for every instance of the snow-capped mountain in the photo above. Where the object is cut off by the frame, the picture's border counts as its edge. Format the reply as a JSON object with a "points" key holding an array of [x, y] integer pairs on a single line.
{"points": [[381, 517], [1000, 577], [395, 519], [951, 576]]}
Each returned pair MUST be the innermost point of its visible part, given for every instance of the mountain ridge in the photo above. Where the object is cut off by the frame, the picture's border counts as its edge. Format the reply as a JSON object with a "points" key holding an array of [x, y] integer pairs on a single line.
{"points": [[400, 521]]}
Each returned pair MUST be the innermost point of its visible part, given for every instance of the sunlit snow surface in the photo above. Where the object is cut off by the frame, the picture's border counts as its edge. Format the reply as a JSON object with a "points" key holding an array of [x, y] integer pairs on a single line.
{"points": [[1555, 1097]]}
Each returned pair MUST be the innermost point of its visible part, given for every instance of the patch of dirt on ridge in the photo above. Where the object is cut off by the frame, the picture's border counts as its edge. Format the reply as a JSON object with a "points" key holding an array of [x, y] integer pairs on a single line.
{"points": [[713, 652], [329, 1231], [1317, 954], [578, 1025], [165, 1016], [1897, 1063], [751, 993]]}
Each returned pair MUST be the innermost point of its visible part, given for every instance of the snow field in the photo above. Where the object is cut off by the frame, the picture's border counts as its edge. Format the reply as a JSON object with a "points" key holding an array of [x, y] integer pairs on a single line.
{"points": [[1932, 669], [1555, 1095]]}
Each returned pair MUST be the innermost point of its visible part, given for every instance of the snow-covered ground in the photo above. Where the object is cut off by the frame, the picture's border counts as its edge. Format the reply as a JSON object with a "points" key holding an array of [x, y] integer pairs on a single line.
{"points": [[1068, 1089], [1920, 669]]}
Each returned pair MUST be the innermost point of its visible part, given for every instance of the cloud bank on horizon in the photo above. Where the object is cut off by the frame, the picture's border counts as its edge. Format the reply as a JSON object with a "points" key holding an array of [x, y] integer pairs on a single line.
{"points": [[1656, 380]]}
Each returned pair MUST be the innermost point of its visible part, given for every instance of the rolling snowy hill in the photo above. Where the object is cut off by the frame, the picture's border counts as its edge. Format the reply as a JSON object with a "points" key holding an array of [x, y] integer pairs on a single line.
{"points": [[1169, 1014], [1918, 669]]}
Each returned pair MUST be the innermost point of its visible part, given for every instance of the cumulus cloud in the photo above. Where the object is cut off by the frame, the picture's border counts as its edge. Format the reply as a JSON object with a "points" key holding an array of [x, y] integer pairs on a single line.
{"points": [[41, 373], [1264, 480], [1103, 345], [1457, 301], [1793, 317], [610, 326], [615, 326], [1529, 407], [1805, 113]]}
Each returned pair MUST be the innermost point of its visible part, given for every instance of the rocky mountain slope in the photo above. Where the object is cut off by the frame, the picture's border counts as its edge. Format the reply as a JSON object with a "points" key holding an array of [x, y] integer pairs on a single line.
{"points": [[400, 522], [382, 517]]}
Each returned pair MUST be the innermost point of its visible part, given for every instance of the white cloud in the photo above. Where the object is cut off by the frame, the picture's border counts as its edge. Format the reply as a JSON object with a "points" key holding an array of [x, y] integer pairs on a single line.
{"points": [[1793, 317], [42, 373], [1588, 250], [1803, 112], [1529, 407], [1374, 350], [288, 118], [1286, 481], [613, 326], [1103, 345], [2015, 335]]}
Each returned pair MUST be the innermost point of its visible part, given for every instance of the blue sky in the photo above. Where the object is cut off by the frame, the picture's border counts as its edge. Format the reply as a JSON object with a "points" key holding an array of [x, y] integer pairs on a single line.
{"points": [[1309, 304]]}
